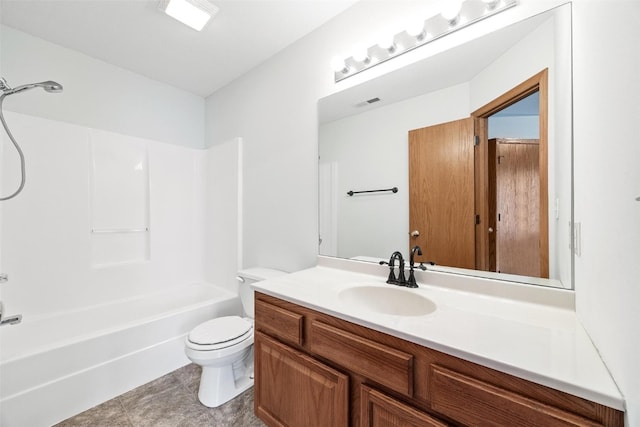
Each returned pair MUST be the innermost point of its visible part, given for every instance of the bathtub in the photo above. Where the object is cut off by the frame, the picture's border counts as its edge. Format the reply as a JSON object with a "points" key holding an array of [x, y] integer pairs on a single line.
{"points": [[53, 367]]}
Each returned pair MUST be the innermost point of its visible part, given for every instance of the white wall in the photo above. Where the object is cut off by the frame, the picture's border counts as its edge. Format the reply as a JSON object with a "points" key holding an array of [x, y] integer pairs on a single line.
{"points": [[46, 236], [97, 94], [607, 181]]}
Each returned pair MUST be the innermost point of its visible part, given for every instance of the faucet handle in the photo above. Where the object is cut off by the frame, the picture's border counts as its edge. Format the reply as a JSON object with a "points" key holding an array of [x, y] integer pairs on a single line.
{"points": [[423, 267], [392, 275]]}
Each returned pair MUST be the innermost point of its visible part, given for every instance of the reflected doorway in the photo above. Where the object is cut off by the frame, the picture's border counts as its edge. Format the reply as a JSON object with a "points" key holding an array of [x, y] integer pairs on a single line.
{"points": [[478, 188], [512, 225]]}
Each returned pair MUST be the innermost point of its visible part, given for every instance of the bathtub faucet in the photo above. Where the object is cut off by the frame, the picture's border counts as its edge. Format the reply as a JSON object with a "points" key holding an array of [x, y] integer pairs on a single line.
{"points": [[8, 320]]}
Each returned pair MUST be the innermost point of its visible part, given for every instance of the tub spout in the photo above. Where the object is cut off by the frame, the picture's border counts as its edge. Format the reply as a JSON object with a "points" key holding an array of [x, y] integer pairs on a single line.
{"points": [[8, 320]]}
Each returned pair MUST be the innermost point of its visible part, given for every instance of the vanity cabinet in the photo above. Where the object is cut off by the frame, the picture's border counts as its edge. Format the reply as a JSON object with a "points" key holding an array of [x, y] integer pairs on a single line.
{"points": [[296, 390], [313, 369]]}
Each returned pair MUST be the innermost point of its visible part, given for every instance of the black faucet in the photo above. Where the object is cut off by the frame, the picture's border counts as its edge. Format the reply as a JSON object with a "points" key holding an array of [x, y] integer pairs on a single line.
{"points": [[400, 280]]}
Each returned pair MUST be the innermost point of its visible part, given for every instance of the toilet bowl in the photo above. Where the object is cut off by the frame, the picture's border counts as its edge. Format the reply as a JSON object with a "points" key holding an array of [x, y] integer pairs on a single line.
{"points": [[224, 346]]}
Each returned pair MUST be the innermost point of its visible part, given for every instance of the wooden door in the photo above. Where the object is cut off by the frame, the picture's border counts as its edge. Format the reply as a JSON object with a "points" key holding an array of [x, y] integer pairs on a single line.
{"points": [[292, 389], [380, 410], [441, 192], [517, 206]]}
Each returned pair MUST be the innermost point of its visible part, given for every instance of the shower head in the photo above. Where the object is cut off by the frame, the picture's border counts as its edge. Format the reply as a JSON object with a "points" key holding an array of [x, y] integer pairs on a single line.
{"points": [[6, 90], [49, 86]]}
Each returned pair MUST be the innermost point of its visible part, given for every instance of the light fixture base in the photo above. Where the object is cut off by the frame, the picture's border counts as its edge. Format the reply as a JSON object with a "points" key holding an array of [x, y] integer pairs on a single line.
{"points": [[435, 27]]}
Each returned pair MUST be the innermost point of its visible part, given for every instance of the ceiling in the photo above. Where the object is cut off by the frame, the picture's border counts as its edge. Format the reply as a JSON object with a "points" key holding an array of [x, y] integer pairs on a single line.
{"points": [[134, 35]]}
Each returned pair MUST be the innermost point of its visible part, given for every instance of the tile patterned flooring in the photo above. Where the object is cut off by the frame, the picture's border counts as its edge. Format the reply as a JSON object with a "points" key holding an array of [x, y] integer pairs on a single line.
{"points": [[169, 401]]}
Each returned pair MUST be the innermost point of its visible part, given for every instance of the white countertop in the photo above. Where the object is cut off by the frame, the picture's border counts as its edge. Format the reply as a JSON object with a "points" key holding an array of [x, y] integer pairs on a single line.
{"points": [[540, 341]]}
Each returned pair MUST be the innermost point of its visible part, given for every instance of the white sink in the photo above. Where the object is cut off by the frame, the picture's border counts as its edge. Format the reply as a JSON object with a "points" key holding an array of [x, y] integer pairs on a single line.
{"points": [[392, 300]]}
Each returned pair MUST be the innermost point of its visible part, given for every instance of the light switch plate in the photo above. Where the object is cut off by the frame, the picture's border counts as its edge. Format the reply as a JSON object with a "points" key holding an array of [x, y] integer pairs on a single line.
{"points": [[577, 238]]}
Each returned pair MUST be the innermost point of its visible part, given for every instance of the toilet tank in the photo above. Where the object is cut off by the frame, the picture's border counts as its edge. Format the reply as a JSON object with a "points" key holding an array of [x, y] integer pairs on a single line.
{"points": [[251, 275]]}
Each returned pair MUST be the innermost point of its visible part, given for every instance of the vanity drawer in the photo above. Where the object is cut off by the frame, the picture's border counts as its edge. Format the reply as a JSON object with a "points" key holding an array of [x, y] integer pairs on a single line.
{"points": [[474, 402], [279, 322], [378, 409], [363, 356]]}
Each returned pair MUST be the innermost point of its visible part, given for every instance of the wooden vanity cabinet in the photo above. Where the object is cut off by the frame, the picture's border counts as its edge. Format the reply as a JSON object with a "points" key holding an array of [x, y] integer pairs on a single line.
{"points": [[295, 389], [312, 369]]}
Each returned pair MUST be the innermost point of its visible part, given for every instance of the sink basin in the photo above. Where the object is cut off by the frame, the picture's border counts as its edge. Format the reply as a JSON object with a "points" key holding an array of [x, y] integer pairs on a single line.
{"points": [[387, 300]]}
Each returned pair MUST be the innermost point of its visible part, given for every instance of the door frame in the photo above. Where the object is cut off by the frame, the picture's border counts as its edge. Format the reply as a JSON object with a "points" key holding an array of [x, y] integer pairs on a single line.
{"points": [[539, 83]]}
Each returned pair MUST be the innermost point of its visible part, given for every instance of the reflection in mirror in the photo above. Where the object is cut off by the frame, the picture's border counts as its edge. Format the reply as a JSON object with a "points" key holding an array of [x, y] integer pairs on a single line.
{"points": [[514, 190], [364, 145]]}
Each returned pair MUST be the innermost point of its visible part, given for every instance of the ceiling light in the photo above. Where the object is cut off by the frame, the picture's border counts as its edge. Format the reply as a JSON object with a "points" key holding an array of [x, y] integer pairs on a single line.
{"points": [[194, 13]]}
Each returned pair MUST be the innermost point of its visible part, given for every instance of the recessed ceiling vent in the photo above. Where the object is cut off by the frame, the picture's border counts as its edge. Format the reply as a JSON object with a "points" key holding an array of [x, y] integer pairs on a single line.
{"points": [[368, 102]]}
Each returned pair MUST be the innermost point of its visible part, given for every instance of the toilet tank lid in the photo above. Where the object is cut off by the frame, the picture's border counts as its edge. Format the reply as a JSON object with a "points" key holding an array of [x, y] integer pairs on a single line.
{"points": [[260, 273]]}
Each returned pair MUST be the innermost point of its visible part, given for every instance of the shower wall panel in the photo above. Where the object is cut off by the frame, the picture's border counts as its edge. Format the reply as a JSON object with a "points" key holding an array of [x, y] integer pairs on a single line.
{"points": [[47, 246]]}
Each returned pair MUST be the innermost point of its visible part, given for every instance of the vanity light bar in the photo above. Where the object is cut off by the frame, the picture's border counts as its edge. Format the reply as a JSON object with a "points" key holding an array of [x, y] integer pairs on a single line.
{"points": [[469, 12]]}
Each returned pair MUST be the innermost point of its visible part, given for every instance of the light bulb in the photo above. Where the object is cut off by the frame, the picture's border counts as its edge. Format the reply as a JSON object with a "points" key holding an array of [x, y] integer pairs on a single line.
{"points": [[387, 42], [451, 10], [338, 65], [416, 29], [491, 4], [360, 53]]}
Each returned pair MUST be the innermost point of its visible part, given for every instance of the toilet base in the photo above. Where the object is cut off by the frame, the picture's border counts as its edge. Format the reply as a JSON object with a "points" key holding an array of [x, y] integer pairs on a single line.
{"points": [[219, 384]]}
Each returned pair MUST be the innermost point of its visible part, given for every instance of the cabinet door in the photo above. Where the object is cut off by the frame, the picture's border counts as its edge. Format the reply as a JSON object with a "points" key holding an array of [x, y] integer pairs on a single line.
{"points": [[379, 410], [292, 389]]}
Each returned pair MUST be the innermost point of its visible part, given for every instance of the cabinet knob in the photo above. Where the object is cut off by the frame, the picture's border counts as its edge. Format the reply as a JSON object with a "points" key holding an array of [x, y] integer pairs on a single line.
{"points": [[415, 233], [490, 230]]}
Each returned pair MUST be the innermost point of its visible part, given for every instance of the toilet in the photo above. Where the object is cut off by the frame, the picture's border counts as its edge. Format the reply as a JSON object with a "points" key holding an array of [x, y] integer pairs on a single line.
{"points": [[224, 346]]}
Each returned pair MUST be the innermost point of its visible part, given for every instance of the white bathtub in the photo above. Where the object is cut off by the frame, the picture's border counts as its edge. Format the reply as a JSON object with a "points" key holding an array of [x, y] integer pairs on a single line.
{"points": [[56, 366]]}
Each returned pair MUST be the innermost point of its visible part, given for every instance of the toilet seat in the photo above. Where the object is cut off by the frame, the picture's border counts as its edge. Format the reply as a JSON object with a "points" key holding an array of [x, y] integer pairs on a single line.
{"points": [[220, 333]]}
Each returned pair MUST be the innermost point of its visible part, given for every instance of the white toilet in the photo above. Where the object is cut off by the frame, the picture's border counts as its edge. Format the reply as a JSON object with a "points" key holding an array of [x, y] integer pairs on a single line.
{"points": [[224, 346]]}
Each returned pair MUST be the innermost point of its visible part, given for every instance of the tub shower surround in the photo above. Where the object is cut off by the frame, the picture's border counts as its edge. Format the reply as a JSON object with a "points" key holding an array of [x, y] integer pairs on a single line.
{"points": [[82, 180], [115, 225]]}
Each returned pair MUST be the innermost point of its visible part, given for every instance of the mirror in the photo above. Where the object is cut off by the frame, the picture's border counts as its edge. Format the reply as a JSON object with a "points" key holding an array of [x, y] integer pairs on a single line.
{"points": [[363, 140]]}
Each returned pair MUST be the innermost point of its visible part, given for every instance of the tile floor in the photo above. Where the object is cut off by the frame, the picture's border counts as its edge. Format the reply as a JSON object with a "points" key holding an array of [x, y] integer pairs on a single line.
{"points": [[169, 401]]}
